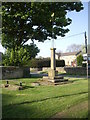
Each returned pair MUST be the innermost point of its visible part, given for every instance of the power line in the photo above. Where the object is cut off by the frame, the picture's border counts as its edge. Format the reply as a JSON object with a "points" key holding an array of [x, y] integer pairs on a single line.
{"points": [[68, 36], [71, 36]]}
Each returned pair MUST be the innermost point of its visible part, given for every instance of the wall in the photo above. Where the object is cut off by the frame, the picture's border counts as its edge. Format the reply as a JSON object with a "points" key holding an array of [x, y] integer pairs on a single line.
{"points": [[68, 59], [14, 72], [70, 70], [35, 69], [59, 69], [76, 70]]}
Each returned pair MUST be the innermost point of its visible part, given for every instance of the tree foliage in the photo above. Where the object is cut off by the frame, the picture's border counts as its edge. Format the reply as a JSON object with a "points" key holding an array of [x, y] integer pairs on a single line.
{"points": [[31, 20], [79, 60], [20, 56], [22, 21]]}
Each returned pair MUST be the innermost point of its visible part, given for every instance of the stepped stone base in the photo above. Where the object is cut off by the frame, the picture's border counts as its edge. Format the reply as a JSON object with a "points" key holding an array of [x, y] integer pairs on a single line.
{"points": [[56, 79]]}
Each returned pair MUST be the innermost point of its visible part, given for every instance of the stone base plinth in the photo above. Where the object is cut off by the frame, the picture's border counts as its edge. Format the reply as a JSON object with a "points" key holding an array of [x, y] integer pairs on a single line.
{"points": [[52, 73], [57, 79], [54, 78]]}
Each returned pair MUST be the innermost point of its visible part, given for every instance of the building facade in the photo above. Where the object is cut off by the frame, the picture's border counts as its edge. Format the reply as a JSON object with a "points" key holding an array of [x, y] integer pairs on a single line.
{"points": [[69, 58]]}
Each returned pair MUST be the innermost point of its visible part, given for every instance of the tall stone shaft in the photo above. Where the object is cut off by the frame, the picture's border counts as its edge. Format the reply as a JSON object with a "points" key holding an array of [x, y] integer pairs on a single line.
{"points": [[53, 61]]}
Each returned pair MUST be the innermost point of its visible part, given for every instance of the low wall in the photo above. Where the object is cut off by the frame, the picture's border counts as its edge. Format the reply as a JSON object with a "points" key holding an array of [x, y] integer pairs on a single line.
{"points": [[76, 70], [14, 72], [70, 70], [35, 69], [59, 69]]}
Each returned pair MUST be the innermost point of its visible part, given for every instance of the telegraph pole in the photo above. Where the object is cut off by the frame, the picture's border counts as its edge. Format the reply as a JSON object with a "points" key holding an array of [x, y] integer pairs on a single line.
{"points": [[86, 52]]}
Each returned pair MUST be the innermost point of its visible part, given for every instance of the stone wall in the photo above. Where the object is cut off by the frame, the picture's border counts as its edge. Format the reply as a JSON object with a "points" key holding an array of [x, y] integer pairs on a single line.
{"points": [[35, 69], [70, 70], [76, 70], [14, 72], [59, 69]]}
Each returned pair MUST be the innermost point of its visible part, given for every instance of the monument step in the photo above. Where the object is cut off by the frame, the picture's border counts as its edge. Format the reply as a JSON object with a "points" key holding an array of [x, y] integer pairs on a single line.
{"points": [[53, 78], [58, 77], [58, 80], [60, 83]]}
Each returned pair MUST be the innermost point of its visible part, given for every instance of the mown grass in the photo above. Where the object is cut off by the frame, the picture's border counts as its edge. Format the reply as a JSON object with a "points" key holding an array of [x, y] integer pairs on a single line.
{"points": [[44, 101]]}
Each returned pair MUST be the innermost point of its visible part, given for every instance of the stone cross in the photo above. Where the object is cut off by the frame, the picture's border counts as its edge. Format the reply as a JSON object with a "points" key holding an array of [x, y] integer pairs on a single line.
{"points": [[53, 61]]}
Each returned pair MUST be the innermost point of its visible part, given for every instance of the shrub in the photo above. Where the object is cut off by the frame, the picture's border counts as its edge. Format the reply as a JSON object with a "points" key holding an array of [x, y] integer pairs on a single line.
{"points": [[60, 63], [39, 63], [79, 60], [84, 64]]}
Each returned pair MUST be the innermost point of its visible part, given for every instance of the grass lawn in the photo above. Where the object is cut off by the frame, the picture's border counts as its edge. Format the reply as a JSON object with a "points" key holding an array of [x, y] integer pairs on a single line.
{"points": [[67, 100]]}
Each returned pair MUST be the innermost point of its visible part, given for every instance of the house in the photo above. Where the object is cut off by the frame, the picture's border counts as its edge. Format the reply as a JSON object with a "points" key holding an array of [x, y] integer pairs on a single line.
{"points": [[68, 57]]}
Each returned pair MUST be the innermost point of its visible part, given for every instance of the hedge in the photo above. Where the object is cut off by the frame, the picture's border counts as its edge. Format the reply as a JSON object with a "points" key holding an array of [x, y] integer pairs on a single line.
{"points": [[39, 63]]}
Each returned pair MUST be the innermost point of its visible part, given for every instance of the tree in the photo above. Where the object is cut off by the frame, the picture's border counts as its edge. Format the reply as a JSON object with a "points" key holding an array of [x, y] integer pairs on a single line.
{"points": [[74, 48], [22, 21], [59, 54], [21, 56], [83, 49], [79, 60]]}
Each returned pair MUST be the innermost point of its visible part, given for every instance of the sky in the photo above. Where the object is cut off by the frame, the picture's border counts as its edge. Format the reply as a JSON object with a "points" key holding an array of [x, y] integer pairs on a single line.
{"points": [[79, 25]]}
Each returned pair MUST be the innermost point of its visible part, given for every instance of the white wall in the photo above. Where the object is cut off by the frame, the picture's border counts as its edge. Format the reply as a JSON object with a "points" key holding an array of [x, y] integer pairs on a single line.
{"points": [[68, 59]]}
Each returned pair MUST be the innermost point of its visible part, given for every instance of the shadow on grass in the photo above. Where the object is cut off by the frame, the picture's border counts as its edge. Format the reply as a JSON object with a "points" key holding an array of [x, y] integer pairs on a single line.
{"points": [[27, 87], [19, 110], [73, 75], [27, 102]]}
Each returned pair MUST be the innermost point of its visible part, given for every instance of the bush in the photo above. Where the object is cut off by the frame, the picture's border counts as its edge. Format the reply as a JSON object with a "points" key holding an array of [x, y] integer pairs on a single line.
{"points": [[20, 55], [39, 63], [60, 63], [79, 60], [84, 64]]}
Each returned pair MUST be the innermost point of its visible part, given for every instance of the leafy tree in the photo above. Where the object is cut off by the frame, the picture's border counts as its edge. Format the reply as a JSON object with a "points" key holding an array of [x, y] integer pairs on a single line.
{"points": [[83, 49], [79, 60], [21, 56], [22, 21]]}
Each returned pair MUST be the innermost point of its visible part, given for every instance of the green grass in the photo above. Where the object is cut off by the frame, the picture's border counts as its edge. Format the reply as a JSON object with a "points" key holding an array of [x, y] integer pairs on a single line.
{"points": [[42, 72], [44, 101]]}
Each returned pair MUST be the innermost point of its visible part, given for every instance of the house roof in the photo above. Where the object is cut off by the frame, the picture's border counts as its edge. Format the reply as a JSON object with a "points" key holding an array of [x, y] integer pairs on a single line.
{"points": [[69, 53]]}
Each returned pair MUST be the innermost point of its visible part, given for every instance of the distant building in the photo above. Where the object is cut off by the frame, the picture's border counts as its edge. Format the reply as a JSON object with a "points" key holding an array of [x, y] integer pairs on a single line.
{"points": [[69, 58]]}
